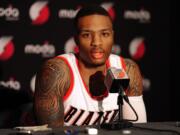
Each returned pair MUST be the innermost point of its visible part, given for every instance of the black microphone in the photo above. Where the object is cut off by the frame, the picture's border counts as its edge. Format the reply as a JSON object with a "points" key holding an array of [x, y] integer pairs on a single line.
{"points": [[115, 79]]}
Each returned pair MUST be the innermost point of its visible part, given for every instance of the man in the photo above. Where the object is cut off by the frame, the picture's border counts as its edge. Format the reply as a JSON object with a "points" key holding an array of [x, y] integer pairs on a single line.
{"points": [[70, 88]]}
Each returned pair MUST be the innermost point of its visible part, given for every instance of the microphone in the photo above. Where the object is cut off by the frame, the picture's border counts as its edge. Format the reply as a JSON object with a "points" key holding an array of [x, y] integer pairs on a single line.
{"points": [[115, 79]]}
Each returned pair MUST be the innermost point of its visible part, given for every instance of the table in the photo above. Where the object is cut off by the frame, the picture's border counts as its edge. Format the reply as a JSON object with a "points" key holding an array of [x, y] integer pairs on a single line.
{"points": [[150, 128]]}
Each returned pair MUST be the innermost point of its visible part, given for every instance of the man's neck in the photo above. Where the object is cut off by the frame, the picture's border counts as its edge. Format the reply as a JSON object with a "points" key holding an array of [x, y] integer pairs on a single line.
{"points": [[89, 70], [93, 78]]}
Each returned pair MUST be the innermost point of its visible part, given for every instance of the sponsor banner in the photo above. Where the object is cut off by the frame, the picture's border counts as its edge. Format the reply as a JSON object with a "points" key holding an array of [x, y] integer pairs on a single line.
{"points": [[34, 31]]}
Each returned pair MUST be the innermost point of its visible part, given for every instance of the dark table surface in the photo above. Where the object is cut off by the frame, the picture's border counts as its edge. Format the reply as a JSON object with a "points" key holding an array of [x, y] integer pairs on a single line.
{"points": [[150, 128]]}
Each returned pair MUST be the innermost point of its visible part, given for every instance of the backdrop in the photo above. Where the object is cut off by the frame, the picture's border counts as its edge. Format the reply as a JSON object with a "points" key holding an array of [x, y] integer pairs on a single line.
{"points": [[34, 31]]}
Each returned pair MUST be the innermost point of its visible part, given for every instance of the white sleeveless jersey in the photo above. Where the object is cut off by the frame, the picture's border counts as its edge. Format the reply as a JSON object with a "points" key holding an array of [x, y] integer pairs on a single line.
{"points": [[79, 107]]}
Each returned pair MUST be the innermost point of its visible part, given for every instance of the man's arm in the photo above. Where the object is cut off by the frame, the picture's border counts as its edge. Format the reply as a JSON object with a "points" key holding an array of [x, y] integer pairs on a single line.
{"points": [[51, 84], [135, 85], [135, 93]]}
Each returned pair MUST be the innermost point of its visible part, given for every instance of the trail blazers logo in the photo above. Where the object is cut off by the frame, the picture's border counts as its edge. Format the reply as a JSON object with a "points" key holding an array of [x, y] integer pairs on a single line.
{"points": [[39, 12], [6, 47], [137, 48], [109, 7]]}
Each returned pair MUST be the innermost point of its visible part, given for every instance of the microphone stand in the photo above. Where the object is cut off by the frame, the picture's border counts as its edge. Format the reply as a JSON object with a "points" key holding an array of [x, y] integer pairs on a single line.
{"points": [[120, 123]]}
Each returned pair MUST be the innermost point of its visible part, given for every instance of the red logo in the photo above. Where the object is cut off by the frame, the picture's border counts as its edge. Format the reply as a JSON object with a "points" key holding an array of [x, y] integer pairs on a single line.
{"points": [[137, 48], [6, 48], [109, 7], [39, 12]]}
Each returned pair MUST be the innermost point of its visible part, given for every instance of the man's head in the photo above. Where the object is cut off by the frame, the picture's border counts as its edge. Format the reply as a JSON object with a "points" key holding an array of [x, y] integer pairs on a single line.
{"points": [[94, 35], [89, 10]]}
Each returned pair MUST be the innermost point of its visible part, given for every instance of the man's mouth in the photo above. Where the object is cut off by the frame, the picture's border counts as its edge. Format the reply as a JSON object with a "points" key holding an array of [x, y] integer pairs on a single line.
{"points": [[97, 54]]}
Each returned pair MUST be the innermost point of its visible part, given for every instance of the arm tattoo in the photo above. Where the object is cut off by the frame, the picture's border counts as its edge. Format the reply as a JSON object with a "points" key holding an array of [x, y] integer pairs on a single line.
{"points": [[51, 84], [135, 85]]}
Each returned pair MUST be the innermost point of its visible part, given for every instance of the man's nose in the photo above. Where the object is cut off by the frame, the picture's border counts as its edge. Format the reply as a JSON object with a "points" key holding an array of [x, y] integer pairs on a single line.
{"points": [[96, 40]]}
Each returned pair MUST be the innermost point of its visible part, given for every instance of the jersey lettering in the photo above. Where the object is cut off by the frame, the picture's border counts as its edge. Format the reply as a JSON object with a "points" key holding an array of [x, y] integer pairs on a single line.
{"points": [[77, 117]]}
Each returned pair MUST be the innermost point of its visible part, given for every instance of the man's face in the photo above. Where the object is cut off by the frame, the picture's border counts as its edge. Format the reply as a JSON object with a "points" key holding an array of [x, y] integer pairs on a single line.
{"points": [[95, 39]]}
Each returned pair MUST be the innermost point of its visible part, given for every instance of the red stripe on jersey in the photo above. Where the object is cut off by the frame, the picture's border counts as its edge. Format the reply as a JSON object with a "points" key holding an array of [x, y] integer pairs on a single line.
{"points": [[68, 92]]}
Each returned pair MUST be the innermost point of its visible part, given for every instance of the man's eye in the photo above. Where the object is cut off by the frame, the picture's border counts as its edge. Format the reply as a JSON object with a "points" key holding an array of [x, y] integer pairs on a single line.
{"points": [[105, 34], [86, 35]]}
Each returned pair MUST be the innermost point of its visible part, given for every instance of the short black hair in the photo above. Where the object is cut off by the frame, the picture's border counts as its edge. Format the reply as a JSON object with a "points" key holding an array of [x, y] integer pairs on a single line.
{"points": [[90, 10]]}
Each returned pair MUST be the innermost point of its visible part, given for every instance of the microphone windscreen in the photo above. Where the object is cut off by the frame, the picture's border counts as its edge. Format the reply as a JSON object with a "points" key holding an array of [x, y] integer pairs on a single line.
{"points": [[115, 79]]}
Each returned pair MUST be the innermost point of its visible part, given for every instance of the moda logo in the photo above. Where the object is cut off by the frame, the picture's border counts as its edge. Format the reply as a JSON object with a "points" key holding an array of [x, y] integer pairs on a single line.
{"points": [[109, 7], [70, 46], [10, 13], [6, 48], [11, 84], [143, 16], [46, 49], [67, 13], [137, 48], [39, 12]]}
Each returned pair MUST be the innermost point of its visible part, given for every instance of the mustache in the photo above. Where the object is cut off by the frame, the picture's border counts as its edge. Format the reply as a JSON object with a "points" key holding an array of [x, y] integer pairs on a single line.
{"points": [[96, 50]]}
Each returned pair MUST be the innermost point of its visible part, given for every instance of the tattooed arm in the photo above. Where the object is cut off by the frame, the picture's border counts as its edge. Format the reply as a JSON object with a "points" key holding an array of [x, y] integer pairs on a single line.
{"points": [[135, 87], [51, 84], [134, 93]]}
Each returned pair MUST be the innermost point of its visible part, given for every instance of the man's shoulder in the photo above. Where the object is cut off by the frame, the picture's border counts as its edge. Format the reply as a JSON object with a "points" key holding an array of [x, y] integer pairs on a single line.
{"points": [[57, 63], [130, 62]]}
